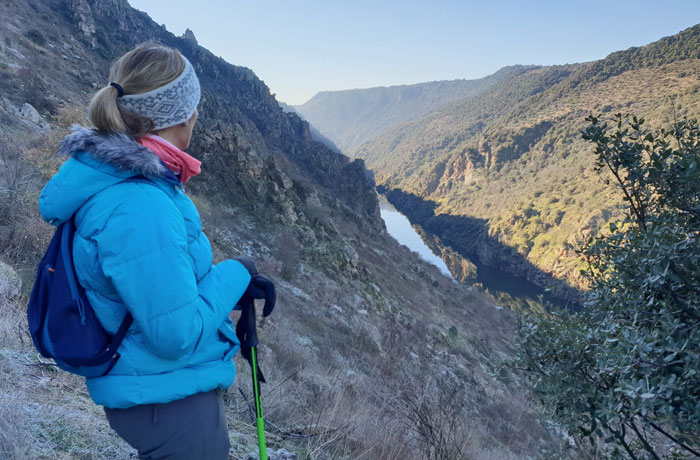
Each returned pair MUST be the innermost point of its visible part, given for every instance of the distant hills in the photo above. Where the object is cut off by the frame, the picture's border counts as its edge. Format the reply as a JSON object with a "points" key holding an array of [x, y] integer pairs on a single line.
{"points": [[510, 152], [354, 116]]}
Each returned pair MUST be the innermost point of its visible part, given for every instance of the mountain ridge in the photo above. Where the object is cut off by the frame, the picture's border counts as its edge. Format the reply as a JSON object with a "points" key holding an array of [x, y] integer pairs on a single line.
{"points": [[512, 155], [377, 109]]}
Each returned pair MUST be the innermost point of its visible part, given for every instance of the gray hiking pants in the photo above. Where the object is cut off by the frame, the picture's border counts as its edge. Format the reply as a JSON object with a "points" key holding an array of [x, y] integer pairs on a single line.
{"points": [[193, 428]]}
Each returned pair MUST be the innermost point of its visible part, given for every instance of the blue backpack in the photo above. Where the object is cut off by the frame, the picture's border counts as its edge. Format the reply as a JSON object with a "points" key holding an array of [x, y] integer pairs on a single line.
{"points": [[62, 323]]}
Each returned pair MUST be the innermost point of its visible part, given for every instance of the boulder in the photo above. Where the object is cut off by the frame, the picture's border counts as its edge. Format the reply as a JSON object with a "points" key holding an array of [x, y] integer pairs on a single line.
{"points": [[29, 113]]}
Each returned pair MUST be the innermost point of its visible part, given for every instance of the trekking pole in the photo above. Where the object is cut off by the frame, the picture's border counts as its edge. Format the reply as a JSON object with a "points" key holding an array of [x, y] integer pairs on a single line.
{"points": [[260, 287], [259, 422], [247, 334]]}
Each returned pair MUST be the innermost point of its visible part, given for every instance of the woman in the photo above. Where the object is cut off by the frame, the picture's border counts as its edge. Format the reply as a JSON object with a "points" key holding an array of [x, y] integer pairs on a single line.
{"points": [[139, 247]]}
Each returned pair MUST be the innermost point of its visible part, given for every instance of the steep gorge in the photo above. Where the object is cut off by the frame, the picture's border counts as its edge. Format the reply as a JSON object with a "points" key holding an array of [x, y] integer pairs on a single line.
{"points": [[361, 324], [512, 156]]}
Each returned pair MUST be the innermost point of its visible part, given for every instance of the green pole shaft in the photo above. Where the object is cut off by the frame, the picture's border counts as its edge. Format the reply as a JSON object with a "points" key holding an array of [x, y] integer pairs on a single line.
{"points": [[258, 408]]}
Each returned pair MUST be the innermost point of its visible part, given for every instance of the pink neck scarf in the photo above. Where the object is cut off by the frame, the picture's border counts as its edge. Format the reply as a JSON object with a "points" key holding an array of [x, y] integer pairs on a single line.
{"points": [[178, 161]]}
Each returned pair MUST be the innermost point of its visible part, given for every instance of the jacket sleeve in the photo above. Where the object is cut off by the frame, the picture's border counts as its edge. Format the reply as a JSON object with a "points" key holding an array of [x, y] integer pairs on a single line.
{"points": [[143, 251]]}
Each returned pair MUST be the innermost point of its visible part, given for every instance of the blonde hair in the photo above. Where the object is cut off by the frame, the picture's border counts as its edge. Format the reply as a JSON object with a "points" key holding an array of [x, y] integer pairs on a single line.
{"points": [[148, 66]]}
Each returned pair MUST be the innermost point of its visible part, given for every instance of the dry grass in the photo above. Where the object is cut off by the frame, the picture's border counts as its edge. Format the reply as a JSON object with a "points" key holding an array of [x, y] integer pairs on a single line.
{"points": [[46, 413]]}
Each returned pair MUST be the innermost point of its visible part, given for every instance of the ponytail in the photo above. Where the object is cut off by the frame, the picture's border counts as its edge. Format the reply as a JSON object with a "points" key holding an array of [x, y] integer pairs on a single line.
{"points": [[104, 113], [145, 68]]}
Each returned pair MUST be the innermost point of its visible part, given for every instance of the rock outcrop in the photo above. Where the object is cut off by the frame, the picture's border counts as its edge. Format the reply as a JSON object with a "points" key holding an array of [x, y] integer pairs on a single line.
{"points": [[189, 36]]}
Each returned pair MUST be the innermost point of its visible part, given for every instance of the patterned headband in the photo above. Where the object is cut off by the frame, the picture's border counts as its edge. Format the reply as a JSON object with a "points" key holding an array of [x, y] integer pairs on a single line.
{"points": [[170, 104]]}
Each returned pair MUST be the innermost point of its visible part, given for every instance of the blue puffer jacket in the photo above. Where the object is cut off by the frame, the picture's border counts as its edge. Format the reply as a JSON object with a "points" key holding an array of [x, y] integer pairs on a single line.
{"points": [[139, 247]]}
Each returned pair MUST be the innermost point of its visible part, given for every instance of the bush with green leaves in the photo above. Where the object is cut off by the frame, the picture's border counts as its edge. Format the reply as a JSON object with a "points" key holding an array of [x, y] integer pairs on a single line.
{"points": [[622, 376]]}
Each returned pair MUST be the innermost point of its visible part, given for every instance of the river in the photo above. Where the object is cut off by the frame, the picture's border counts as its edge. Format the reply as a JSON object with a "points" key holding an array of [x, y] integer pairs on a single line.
{"points": [[400, 228], [508, 289]]}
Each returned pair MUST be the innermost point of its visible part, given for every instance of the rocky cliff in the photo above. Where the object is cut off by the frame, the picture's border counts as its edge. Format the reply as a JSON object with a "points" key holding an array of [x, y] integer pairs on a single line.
{"points": [[234, 101]]}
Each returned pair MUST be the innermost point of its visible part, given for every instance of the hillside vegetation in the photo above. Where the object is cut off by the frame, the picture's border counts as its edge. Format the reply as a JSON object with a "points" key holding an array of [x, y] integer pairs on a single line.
{"points": [[513, 156]]}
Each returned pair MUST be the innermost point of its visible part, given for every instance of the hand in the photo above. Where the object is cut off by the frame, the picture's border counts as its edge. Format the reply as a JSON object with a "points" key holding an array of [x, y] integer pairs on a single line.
{"points": [[260, 287]]}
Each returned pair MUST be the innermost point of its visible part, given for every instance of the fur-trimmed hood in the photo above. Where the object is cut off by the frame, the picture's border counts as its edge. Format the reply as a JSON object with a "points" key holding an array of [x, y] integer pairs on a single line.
{"points": [[117, 149], [98, 160]]}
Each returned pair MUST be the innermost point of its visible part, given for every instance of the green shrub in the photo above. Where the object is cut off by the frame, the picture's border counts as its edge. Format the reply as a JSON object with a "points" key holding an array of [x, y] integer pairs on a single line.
{"points": [[623, 375]]}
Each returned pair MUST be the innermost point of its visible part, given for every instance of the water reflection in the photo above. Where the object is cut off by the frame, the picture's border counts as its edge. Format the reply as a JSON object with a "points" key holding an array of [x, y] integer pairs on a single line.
{"points": [[400, 228], [513, 291]]}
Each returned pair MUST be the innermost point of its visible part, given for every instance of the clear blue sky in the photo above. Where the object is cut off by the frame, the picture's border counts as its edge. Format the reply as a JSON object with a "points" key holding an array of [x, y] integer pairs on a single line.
{"points": [[300, 47]]}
